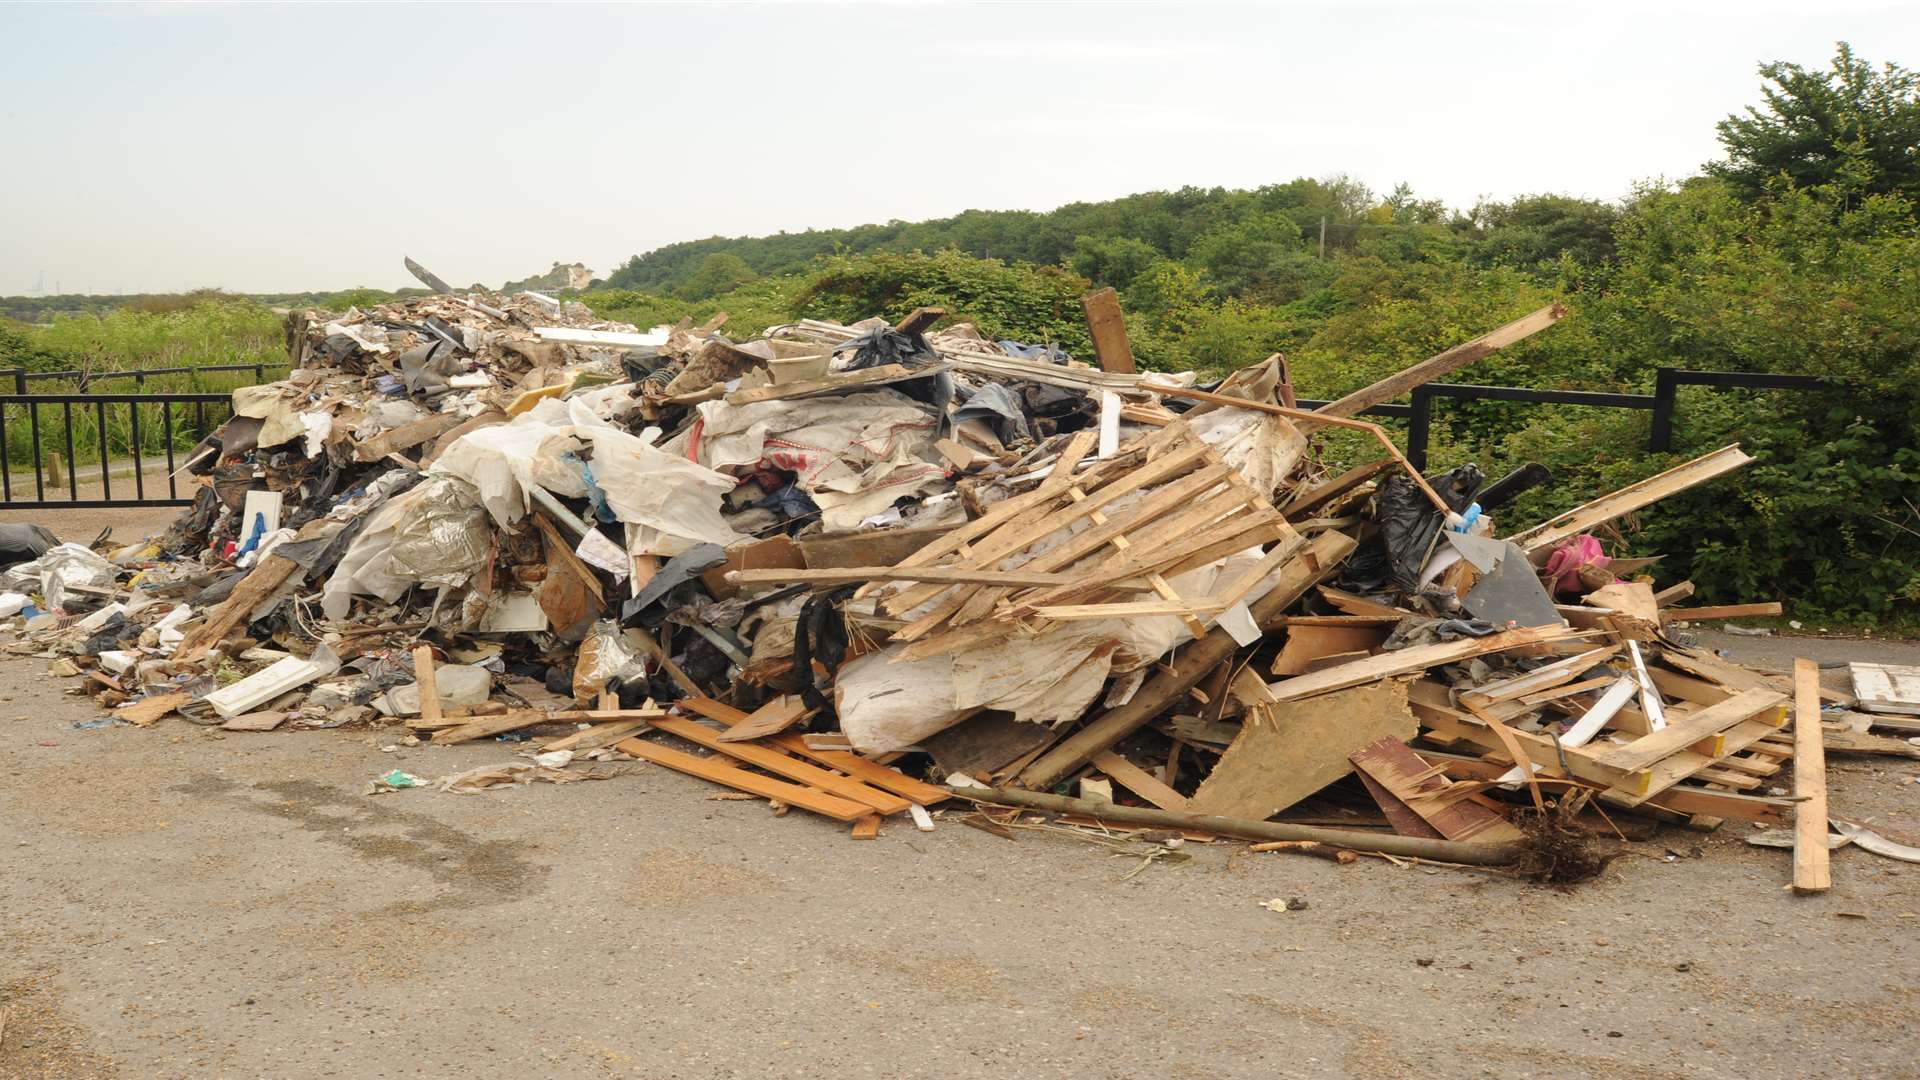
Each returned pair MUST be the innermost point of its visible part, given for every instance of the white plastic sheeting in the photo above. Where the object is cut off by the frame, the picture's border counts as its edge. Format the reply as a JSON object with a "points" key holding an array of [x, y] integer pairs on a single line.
{"points": [[1049, 678], [854, 453]]}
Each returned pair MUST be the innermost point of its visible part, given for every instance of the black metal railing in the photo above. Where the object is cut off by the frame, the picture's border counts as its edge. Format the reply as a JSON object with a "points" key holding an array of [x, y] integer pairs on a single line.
{"points": [[43, 436], [22, 379], [1667, 382]]}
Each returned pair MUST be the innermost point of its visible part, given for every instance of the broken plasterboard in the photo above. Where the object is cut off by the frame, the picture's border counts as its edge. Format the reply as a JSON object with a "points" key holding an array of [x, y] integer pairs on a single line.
{"points": [[1887, 688]]}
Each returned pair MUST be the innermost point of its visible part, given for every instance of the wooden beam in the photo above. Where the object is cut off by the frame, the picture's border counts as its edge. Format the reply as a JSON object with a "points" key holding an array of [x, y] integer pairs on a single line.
{"points": [[1108, 327], [1139, 781], [919, 319], [862, 769], [1723, 611], [1452, 360], [427, 683], [948, 575], [1682, 733], [783, 764], [1812, 872], [720, 772], [1309, 501], [1630, 498], [1404, 661]]}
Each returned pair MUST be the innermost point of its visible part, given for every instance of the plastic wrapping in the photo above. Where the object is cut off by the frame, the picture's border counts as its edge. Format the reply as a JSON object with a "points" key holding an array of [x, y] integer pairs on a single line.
{"points": [[57, 570], [444, 537], [20, 542]]}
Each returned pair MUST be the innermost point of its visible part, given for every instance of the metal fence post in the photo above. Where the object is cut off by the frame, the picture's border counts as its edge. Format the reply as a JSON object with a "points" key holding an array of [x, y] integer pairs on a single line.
{"points": [[1660, 433], [1419, 422]]}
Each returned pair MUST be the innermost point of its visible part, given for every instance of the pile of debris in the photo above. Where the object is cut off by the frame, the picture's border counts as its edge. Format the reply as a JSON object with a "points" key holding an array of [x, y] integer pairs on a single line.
{"points": [[862, 570]]}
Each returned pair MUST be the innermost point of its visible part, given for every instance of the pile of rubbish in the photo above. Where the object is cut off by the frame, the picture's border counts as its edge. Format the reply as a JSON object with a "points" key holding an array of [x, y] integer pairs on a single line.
{"points": [[864, 570]]}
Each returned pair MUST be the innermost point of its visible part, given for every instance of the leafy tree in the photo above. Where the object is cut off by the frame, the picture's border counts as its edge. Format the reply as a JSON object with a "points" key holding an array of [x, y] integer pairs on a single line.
{"points": [[1537, 229], [720, 272], [1850, 126], [1237, 254], [1111, 260]]}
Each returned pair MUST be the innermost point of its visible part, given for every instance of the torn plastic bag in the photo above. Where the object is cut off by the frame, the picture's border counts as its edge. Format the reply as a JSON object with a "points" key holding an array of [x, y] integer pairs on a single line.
{"points": [[425, 369], [671, 584], [1409, 527], [669, 504], [57, 570], [502, 461], [883, 345], [362, 569], [605, 658], [1001, 409], [1049, 354], [277, 412], [23, 543], [443, 540]]}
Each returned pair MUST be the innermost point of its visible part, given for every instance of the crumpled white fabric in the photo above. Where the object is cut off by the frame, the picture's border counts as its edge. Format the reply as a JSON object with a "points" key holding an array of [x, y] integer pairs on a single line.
{"points": [[854, 453], [669, 504], [1261, 447], [504, 460], [1047, 678]]}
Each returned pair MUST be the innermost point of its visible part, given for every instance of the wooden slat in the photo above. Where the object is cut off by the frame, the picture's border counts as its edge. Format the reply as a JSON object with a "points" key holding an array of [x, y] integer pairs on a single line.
{"points": [[1395, 767], [772, 718], [721, 772], [1139, 781], [1723, 611], [427, 682], [1403, 661], [1631, 498], [1682, 733], [783, 764], [1453, 359], [862, 769], [1812, 872]]}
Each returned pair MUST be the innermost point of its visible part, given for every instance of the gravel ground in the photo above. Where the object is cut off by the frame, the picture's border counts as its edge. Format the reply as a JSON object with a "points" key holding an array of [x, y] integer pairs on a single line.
{"points": [[186, 903]]}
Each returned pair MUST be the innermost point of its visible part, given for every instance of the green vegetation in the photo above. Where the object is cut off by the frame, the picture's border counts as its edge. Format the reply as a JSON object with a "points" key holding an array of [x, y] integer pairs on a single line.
{"points": [[1794, 254]]}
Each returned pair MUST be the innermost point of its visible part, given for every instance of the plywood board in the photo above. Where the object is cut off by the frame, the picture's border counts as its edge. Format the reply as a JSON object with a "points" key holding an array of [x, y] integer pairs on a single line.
{"points": [[1297, 748]]}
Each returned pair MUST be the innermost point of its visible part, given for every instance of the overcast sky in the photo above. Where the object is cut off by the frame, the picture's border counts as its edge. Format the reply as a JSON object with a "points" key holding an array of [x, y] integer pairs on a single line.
{"points": [[289, 147]]}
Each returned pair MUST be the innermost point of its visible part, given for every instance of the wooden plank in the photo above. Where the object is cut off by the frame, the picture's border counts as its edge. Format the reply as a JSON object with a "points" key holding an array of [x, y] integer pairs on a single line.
{"points": [[1540, 678], [1452, 360], [949, 575], [772, 718], [428, 683], [1307, 502], [1139, 781], [1108, 328], [263, 581], [516, 719], [872, 376], [595, 737], [862, 769], [720, 772], [1812, 872], [1297, 748], [1391, 764], [1682, 733], [1673, 594], [866, 828], [1723, 611], [151, 708], [1307, 643], [1360, 605], [919, 319], [1630, 498], [1405, 661], [780, 763], [1687, 799]]}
